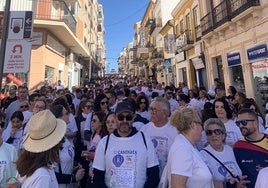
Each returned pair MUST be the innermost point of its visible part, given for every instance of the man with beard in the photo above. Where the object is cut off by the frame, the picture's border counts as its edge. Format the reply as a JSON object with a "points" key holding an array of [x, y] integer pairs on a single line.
{"points": [[126, 158], [251, 152]]}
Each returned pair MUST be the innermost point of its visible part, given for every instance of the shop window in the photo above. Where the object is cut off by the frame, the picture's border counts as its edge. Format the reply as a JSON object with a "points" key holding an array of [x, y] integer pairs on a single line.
{"points": [[237, 79], [260, 81]]}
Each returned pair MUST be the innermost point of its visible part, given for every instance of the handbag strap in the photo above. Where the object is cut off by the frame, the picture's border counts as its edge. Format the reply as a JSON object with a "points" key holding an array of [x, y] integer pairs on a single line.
{"points": [[220, 163]]}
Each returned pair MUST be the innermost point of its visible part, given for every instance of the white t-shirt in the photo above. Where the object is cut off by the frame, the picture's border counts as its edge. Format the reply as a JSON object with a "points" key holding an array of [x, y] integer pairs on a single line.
{"points": [[66, 155], [145, 114], [42, 177], [94, 142], [71, 127], [185, 160], [162, 138], [88, 122], [227, 157], [18, 137], [262, 180], [266, 120], [174, 105], [125, 161], [8, 157], [233, 133]]}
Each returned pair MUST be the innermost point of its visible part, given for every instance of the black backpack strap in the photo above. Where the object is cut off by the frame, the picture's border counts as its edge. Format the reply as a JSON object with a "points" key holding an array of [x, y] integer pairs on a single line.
{"points": [[143, 137], [106, 145]]}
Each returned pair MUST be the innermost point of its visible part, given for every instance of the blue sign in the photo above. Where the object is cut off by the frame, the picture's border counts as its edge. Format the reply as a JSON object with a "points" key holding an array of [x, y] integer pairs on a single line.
{"points": [[233, 59], [257, 52], [167, 63]]}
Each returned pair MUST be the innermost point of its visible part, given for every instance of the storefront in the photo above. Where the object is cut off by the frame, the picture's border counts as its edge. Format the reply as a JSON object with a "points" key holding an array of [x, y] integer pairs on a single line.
{"points": [[235, 71], [257, 56]]}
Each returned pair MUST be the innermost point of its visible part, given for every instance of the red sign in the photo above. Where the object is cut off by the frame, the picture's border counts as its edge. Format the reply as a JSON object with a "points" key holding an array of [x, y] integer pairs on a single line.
{"points": [[15, 79]]}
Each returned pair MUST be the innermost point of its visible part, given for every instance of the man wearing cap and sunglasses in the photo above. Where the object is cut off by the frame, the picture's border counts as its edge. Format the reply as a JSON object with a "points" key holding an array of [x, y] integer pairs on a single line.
{"points": [[251, 152], [126, 158]]}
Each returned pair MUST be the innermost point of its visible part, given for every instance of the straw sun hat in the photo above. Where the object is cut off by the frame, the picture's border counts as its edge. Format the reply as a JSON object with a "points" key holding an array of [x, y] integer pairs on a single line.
{"points": [[45, 131]]}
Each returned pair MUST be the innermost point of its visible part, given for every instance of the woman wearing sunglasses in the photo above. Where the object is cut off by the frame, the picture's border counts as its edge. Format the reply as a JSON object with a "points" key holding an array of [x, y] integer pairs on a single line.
{"points": [[142, 103], [101, 103], [223, 112], [216, 134]]}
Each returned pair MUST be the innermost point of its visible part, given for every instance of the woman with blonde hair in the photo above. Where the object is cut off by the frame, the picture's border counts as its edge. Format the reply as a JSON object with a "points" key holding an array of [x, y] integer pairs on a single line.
{"points": [[185, 166]]}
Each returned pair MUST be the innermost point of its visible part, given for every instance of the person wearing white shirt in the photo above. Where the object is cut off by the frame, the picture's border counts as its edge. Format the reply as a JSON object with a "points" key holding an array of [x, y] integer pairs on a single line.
{"points": [[8, 157], [161, 132], [185, 167], [169, 96]]}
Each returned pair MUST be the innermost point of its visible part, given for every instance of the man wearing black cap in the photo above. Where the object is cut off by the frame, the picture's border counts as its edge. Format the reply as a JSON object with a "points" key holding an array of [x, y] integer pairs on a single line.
{"points": [[11, 97], [126, 158]]}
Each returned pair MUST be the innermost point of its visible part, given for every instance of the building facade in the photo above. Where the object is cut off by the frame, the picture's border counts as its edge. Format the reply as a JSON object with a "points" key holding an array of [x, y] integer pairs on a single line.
{"points": [[235, 38], [64, 42]]}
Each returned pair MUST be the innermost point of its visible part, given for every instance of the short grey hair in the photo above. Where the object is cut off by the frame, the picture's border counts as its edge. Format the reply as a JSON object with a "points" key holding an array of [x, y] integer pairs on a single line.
{"points": [[164, 103], [216, 121]]}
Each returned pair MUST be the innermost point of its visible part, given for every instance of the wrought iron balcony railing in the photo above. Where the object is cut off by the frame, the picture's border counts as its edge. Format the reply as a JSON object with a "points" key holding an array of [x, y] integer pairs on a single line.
{"points": [[224, 12]]}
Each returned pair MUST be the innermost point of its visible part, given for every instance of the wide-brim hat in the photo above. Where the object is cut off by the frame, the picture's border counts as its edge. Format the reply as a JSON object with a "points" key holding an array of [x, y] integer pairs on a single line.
{"points": [[44, 132]]}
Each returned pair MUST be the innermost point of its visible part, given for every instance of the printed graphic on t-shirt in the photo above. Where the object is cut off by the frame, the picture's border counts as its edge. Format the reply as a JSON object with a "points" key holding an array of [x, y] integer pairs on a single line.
{"points": [[161, 146], [124, 172]]}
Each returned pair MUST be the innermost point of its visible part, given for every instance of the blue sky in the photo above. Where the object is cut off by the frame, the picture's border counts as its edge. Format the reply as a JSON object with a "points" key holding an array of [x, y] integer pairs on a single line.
{"points": [[119, 19]]}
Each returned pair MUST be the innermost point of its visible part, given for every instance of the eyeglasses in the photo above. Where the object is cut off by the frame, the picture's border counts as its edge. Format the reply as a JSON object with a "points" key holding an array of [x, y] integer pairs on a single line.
{"points": [[24, 106], [142, 102], [215, 131], [103, 103], [244, 122], [128, 117]]}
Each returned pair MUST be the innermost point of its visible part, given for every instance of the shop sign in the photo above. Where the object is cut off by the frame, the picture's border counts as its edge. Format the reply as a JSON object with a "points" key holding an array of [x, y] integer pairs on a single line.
{"points": [[257, 52], [261, 65], [167, 63], [233, 58], [197, 63]]}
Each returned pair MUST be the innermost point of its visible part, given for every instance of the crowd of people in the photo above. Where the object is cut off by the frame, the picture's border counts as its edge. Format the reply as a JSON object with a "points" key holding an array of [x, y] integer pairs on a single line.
{"points": [[132, 133]]}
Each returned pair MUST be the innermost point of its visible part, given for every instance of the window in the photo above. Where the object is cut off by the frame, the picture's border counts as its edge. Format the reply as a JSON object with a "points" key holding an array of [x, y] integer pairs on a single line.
{"points": [[181, 26], [188, 22]]}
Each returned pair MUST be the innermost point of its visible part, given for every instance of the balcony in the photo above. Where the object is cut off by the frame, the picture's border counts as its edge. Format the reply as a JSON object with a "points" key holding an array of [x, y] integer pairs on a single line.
{"points": [[206, 24], [224, 12], [221, 14], [56, 10], [184, 41], [198, 32], [239, 6]]}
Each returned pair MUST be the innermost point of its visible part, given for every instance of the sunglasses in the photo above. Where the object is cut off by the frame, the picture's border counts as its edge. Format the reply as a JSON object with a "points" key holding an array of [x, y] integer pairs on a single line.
{"points": [[244, 122], [215, 131], [94, 120], [103, 103], [141, 102], [24, 106], [128, 117]]}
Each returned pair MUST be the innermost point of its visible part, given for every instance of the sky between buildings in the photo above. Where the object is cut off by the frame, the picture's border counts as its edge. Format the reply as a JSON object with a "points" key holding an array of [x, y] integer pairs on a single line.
{"points": [[119, 19]]}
